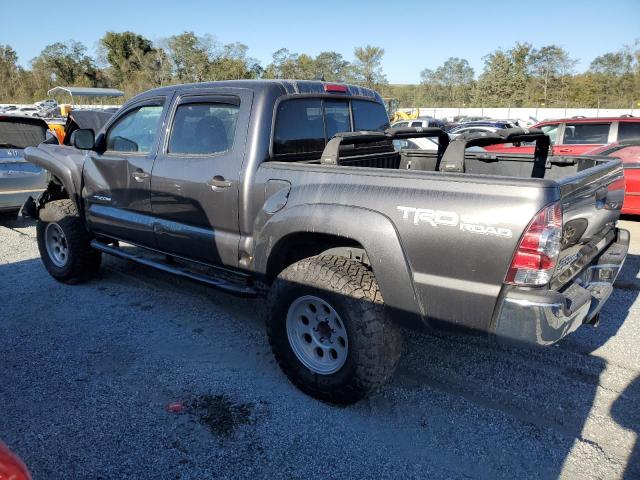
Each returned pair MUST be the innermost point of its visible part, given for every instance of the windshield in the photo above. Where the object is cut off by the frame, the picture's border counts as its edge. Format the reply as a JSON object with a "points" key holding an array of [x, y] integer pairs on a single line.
{"points": [[16, 133]]}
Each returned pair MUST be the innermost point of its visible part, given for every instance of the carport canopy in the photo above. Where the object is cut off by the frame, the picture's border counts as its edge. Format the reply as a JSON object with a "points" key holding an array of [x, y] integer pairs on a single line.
{"points": [[86, 92]]}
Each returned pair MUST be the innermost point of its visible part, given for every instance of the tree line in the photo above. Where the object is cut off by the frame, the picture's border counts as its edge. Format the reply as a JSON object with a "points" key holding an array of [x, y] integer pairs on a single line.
{"points": [[516, 77]]}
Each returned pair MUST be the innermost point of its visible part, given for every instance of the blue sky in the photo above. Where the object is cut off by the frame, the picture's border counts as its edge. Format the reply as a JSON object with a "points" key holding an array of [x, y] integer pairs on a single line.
{"points": [[415, 34]]}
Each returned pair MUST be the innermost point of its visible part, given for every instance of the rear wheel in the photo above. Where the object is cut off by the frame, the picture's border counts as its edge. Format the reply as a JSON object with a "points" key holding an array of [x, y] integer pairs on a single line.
{"points": [[328, 329], [64, 243]]}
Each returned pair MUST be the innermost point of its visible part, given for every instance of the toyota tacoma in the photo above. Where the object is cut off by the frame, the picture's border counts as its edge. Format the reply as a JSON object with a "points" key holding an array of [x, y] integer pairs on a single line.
{"points": [[293, 189]]}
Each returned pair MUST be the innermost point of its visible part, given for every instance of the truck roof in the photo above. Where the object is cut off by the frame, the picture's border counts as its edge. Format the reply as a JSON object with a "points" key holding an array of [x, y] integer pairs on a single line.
{"points": [[278, 87]]}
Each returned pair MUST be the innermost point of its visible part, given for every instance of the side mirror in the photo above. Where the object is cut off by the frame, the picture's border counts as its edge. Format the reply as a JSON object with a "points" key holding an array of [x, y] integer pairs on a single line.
{"points": [[83, 139]]}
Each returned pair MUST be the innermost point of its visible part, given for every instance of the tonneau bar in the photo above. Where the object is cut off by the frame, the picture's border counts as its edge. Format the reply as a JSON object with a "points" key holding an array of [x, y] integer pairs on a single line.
{"points": [[331, 153], [453, 160]]}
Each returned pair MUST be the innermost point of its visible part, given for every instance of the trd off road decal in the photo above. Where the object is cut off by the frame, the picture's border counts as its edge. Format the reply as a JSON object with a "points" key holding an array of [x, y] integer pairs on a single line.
{"points": [[444, 218]]}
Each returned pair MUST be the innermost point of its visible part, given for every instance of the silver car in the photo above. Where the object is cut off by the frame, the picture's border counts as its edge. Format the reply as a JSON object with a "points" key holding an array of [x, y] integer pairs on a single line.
{"points": [[18, 178]]}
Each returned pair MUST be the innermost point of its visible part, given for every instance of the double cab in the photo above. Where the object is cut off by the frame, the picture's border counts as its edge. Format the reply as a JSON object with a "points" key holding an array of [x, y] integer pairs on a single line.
{"points": [[293, 190]]}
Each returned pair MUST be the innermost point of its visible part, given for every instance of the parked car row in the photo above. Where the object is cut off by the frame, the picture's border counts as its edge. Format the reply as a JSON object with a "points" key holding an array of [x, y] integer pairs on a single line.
{"points": [[575, 136], [613, 136], [44, 109], [38, 109]]}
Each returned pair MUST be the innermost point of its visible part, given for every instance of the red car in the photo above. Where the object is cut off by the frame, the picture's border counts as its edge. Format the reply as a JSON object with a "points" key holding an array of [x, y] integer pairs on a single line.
{"points": [[629, 153], [574, 136], [11, 467]]}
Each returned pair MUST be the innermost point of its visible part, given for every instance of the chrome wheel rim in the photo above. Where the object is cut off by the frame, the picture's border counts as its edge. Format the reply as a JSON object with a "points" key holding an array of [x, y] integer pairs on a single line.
{"points": [[317, 335], [56, 244]]}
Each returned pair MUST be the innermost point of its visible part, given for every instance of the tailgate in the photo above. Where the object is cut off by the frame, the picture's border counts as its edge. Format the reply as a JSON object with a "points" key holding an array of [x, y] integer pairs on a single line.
{"points": [[591, 204]]}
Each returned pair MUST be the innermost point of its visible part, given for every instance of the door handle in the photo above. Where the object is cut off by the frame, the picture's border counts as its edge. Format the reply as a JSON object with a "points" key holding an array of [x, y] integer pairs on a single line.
{"points": [[218, 182], [139, 175], [565, 150]]}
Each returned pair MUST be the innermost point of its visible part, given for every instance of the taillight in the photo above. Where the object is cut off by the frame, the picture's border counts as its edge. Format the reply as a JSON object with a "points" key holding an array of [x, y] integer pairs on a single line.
{"points": [[538, 250], [333, 87]]}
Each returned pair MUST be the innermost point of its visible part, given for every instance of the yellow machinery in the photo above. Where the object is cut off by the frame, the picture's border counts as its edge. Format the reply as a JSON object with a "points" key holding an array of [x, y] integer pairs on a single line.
{"points": [[391, 104]]}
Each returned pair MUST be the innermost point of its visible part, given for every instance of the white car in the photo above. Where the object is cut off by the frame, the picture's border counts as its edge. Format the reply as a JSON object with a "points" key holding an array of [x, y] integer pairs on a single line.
{"points": [[29, 111], [422, 143], [424, 122]]}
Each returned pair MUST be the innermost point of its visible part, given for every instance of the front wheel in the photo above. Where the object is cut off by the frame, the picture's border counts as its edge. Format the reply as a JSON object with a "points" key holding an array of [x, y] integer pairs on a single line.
{"points": [[328, 329], [64, 243]]}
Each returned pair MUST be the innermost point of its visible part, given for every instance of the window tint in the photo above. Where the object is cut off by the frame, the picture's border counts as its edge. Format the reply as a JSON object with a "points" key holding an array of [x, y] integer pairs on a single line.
{"points": [[136, 131], [369, 115], [628, 130], [301, 123], [552, 131], [401, 124], [416, 124], [203, 128], [299, 127], [586, 133], [336, 117]]}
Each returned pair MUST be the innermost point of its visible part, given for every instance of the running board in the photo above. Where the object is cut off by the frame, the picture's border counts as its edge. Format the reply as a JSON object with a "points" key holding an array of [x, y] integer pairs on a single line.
{"points": [[216, 282]]}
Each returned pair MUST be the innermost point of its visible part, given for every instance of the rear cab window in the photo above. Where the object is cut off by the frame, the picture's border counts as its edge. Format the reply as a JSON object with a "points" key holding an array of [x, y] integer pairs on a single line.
{"points": [[299, 127], [303, 126], [369, 115]]}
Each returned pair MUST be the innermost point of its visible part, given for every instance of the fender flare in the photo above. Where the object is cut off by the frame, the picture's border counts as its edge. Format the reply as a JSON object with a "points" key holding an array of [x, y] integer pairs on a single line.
{"points": [[60, 167], [374, 231]]}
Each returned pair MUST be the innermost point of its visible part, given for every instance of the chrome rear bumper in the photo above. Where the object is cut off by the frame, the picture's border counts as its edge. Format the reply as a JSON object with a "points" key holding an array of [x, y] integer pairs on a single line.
{"points": [[543, 317]]}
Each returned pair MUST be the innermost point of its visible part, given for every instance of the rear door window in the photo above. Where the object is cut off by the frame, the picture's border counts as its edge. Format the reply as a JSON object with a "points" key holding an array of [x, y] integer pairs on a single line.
{"points": [[203, 128], [628, 131], [586, 133]]}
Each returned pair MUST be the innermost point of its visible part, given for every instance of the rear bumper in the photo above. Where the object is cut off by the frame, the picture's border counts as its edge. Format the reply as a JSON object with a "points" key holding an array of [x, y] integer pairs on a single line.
{"points": [[543, 317]]}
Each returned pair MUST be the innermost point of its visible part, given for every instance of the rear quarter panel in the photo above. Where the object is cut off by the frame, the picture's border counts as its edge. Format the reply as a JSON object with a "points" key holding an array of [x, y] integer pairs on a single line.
{"points": [[457, 232]]}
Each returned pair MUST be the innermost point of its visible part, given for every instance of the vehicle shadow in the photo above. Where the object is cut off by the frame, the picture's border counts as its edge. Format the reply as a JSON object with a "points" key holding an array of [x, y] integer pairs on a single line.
{"points": [[546, 396], [626, 412], [449, 389]]}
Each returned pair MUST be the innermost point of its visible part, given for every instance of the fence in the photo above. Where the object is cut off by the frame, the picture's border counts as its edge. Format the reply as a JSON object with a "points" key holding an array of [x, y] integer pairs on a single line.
{"points": [[537, 114]]}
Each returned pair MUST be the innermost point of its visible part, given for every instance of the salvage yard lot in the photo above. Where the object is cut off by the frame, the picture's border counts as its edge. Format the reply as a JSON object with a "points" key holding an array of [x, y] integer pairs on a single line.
{"points": [[88, 370]]}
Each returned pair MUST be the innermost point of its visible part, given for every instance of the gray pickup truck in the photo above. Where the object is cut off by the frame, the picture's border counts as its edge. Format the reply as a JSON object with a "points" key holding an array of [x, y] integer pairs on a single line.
{"points": [[293, 189]]}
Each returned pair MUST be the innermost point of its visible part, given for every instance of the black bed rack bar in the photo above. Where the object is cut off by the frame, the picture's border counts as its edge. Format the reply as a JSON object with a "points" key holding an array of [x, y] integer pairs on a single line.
{"points": [[331, 153], [453, 159]]}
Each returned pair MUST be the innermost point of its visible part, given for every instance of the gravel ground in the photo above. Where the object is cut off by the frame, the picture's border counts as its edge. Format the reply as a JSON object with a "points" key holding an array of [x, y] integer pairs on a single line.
{"points": [[87, 372]]}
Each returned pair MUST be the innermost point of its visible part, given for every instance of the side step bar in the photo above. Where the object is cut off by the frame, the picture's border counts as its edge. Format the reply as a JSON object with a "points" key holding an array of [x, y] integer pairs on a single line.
{"points": [[216, 282]]}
